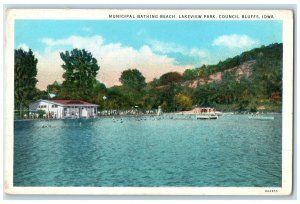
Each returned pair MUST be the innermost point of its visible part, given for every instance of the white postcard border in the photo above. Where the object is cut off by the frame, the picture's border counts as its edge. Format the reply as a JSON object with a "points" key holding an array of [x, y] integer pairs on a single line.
{"points": [[287, 109]]}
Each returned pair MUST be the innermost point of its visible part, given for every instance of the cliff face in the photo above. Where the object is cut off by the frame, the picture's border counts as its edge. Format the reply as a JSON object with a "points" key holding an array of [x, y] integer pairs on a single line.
{"points": [[242, 70]]}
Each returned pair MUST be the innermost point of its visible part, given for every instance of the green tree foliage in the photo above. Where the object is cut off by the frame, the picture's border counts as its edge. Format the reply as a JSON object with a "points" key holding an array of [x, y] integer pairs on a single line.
{"points": [[97, 93], [268, 75], [190, 74], [39, 94], [117, 100], [168, 85], [202, 95], [54, 88], [25, 78], [170, 78], [133, 88], [183, 102], [168, 94], [263, 86], [202, 72], [235, 94], [41, 113], [81, 69], [133, 79]]}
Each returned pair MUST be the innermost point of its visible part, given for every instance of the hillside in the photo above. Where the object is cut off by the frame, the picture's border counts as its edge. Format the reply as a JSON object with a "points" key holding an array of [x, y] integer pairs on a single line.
{"points": [[243, 61], [250, 81], [244, 69]]}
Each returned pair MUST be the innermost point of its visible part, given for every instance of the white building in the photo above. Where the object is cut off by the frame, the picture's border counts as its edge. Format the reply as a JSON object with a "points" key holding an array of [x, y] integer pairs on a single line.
{"points": [[65, 108]]}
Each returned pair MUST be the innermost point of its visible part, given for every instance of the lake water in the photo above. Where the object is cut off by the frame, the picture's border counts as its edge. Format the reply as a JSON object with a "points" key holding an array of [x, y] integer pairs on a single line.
{"points": [[230, 151]]}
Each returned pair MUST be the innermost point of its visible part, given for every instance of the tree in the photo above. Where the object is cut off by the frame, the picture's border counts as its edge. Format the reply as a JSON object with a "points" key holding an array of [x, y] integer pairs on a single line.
{"points": [[183, 102], [190, 74], [133, 87], [133, 79], [202, 94], [170, 77], [81, 69], [268, 75], [54, 88], [204, 73], [39, 94], [116, 99], [98, 92], [167, 95], [25, 77]]}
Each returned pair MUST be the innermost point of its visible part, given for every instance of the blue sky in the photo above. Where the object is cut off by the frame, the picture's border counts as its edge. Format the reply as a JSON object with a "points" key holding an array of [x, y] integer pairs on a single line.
{"points": [[154, 47]]}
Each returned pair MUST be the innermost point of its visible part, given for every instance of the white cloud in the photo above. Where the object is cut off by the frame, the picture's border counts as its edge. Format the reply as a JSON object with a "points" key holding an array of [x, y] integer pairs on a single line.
{"points": [[49, 68], [24, 47], [170, 47], [198, 52], [113, 58], [235, 41], [74, 41]]}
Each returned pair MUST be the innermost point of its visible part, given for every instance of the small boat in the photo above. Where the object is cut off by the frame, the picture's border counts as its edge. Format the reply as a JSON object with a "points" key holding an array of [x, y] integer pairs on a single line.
{"points": [[259, 117], [207, 116]]}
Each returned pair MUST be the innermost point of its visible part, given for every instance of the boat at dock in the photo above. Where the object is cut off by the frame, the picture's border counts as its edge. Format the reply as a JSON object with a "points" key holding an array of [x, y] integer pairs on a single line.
{"points": [[208, 113], [207, 116]]}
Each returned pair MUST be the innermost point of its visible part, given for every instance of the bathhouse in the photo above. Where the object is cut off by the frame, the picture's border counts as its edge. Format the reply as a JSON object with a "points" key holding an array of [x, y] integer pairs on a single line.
{"points": [[65, 108]]}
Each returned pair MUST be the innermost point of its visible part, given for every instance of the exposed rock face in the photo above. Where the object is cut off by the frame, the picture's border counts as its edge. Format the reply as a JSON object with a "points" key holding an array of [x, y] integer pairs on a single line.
{"points": [[242, 70]]}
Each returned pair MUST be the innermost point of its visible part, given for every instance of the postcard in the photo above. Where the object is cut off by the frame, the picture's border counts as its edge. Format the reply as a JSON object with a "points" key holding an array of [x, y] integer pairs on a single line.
{"points": [[148, 102]]}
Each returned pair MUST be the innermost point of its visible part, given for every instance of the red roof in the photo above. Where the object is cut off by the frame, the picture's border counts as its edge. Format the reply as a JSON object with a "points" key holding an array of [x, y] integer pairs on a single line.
{"points": [[71, 102]]}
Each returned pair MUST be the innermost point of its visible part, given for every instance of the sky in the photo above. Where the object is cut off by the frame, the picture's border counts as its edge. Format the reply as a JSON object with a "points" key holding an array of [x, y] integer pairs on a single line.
{"points": [[153, 47]]}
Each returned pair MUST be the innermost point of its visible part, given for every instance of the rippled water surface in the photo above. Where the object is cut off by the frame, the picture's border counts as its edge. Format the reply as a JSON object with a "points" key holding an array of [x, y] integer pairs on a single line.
{"points": [[230, 151]]}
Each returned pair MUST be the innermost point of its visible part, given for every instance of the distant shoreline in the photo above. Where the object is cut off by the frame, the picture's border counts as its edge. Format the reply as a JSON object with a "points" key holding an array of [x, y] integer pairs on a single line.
{"points": [[145, 115]]}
